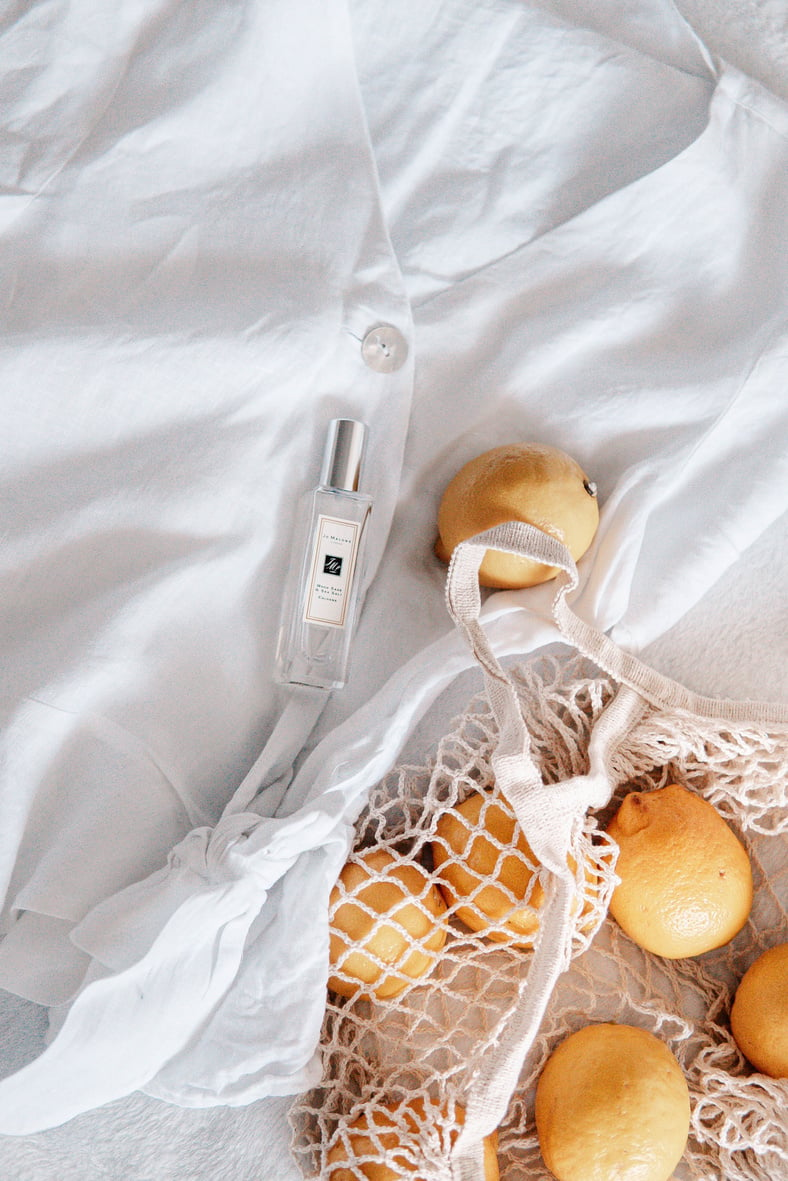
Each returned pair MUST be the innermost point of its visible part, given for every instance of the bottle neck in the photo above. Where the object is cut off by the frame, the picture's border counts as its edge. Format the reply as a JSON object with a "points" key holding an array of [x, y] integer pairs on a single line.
{"points": [[331, 488]]}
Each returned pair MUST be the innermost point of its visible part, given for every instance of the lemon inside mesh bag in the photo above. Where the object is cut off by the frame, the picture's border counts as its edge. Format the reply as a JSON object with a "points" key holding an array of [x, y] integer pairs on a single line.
{"points": [[431, 1039]]}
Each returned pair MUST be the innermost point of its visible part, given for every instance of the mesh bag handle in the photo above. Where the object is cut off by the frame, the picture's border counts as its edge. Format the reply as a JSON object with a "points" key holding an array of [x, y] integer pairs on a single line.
{"points": [[550, 815], [515, 537]]}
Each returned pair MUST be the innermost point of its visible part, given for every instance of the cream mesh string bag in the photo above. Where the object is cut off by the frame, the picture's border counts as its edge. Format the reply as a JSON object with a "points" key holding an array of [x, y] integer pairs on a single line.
{"points": [[419, 1079]]}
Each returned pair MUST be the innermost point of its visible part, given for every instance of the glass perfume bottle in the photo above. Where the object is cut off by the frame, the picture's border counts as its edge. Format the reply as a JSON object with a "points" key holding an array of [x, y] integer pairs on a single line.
{"points": [[321, 596]]}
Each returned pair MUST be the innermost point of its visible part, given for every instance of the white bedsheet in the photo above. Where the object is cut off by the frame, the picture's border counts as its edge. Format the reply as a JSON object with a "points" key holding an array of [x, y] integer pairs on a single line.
{"points": [[725, 645]]}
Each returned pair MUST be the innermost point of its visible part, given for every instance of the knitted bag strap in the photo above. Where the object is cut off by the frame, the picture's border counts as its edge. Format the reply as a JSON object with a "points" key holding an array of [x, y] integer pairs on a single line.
{"points": [[550, 815], [515, 537]]}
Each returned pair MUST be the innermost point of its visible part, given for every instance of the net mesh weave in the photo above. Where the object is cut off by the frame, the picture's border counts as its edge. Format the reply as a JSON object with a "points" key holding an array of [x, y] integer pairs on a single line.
{"points": [[427, 1043]]}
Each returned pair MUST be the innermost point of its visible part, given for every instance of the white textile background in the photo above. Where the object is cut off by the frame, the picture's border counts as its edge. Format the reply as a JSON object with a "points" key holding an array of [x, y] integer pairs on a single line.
{"points": [[725, 645]]}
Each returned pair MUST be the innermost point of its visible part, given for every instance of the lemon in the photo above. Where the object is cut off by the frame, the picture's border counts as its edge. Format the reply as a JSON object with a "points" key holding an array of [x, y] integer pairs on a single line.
{"points": [[487, 870], [466, 857], [759, 1017], [384, 912], [384, 1131], [528, 482], [612, 1104], [686, 880]]}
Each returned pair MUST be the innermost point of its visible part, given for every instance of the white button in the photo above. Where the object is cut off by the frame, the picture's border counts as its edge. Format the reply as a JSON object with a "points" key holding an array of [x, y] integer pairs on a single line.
{"points": [[384, 349]]}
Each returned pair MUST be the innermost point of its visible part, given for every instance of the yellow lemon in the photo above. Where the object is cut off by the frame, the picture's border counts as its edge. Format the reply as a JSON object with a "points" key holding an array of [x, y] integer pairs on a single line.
{"points": [[759, 1017], [528, 482], [612, 1104], [487, 870], [686, 880], [383, 1131], [385, 914], [480, 839]]}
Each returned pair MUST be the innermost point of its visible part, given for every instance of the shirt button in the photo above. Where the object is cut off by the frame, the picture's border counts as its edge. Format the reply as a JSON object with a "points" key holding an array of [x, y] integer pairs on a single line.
{"points": [[384, 349]]}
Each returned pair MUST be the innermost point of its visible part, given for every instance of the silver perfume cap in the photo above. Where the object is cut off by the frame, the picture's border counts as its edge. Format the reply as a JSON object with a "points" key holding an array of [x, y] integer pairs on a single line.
{"points": [[343, 455]]}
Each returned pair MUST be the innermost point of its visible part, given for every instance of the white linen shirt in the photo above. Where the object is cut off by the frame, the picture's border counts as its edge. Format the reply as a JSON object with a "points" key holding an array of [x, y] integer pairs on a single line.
{"points": [[574, 223]]}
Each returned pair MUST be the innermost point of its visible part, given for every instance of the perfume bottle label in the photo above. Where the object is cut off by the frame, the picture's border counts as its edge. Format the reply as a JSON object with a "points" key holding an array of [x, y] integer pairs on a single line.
{"points": [[331, 572]]}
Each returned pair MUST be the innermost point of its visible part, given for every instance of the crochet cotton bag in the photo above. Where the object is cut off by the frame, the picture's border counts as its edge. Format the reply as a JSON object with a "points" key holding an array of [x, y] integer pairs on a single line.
{"points": [[456, 1054]]}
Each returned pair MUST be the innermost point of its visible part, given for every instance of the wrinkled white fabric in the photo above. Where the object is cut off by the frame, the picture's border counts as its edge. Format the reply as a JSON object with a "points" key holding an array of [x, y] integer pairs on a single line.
{"points": [[577, 221]]}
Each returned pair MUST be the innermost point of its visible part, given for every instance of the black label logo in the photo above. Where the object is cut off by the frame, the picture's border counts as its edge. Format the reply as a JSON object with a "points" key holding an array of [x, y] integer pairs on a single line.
{"points": [[332, 565]]}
